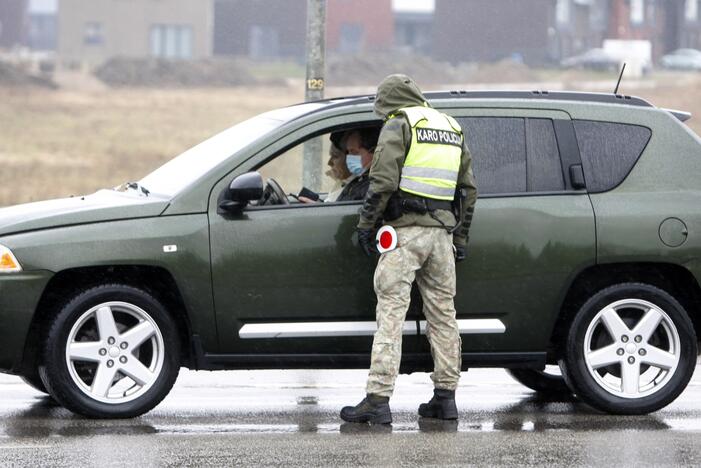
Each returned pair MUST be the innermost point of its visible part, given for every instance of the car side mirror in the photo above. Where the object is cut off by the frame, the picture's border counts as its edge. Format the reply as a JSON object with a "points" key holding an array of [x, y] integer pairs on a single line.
{"points": [[241, 191]]}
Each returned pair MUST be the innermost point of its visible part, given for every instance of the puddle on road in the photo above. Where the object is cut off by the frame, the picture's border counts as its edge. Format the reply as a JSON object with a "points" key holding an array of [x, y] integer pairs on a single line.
{"points": [[308, 400], [55, 428]]}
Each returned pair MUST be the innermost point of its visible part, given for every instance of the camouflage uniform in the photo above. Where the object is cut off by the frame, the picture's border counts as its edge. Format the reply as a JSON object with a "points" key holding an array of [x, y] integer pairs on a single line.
{"points": [[424, 252]]}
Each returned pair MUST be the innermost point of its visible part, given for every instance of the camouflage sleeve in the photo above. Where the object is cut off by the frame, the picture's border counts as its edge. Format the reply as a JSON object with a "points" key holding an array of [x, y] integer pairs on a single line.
{"points": [[466, 180], [385, 170]]}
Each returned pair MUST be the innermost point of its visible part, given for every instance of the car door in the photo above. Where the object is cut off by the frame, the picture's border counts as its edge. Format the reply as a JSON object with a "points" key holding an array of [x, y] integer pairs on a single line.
{"points": [[290, 280], [532, 230]]}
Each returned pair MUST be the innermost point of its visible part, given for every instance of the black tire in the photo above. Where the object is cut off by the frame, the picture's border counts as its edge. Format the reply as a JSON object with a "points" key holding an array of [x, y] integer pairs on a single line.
{"points": [[593, 392], [541, 381], [55, 373], [34, 381]]}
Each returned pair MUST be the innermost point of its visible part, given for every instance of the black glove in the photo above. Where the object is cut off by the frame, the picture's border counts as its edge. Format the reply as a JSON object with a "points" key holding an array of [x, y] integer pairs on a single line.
{"points": [[460, 252], [366, 239]]}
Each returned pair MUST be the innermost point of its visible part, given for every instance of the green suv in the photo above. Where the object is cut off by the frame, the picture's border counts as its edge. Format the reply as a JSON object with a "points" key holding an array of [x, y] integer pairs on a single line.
{"points": [[585, 252]]}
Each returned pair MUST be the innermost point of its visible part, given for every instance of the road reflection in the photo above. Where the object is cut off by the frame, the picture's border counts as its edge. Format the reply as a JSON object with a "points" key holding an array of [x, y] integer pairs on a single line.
{"points": [[45, 418], [529, 413]]}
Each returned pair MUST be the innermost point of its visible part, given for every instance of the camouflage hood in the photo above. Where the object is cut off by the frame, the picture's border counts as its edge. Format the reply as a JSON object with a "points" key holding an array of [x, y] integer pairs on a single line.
{"points": [[395, 92]]}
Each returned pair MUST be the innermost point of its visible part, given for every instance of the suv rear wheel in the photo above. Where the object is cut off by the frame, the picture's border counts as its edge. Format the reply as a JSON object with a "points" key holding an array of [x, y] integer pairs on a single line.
{"points": [[631, 349], [112, 352]]}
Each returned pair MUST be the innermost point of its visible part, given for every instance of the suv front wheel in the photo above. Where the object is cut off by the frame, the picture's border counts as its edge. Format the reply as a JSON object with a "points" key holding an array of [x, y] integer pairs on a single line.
{"points": [[631, 349], [111, 352]]}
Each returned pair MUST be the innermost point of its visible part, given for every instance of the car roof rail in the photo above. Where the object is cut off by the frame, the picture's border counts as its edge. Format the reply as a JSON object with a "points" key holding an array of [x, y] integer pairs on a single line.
{"points": [[604, 98]]}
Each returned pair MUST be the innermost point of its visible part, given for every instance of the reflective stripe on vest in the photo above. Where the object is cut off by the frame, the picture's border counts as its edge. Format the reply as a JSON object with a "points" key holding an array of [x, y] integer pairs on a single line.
{"points": [[433, 161]]}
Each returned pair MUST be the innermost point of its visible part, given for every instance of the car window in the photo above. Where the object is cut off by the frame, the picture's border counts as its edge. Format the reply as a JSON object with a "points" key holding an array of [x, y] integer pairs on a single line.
{"points": [[513, 155], [288, 168], [194, 163], [609, 151], [498, 153], [544, 171]]}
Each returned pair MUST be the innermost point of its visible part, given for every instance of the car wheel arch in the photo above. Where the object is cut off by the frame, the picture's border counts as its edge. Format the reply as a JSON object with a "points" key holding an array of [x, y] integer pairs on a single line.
{"points": [[155, 280], [675, 279]]}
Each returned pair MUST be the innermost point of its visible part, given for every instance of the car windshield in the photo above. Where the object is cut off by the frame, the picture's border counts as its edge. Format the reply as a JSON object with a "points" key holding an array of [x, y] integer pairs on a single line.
{"points": [[183, 170]]}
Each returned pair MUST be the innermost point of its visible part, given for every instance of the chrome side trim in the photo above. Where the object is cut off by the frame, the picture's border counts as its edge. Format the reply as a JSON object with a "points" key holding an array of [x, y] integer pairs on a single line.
{"points": [[474, 326], [314, 329], [331, 329]]}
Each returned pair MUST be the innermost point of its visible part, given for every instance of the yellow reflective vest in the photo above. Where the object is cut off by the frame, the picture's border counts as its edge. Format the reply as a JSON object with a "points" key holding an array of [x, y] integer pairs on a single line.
{"points": [[432, 164]]}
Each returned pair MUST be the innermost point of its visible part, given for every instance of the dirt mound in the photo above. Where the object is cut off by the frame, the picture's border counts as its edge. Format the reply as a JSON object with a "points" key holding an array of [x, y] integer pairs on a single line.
{"points": [[506, 71], [343, 70], [370, 69], [174, 73], [12, 75]]}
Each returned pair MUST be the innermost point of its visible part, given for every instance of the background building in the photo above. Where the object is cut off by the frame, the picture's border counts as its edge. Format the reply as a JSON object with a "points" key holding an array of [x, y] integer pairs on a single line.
{"points": [[490, 30], [684, 26], [96, 30], [358, 26], [268, 29], [261, 29], [577, 26], [13, 23], [413, 29], [542, 31], [537, 32], [643, 20], [43, 28]]}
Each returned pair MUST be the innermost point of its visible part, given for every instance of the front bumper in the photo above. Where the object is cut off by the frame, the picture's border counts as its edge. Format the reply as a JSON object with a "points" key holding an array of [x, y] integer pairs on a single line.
{"points": [[19, 296]]}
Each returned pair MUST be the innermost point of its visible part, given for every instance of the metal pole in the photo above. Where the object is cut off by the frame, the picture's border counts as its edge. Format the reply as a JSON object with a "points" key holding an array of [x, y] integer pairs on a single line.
{"points": [[314, 90]]}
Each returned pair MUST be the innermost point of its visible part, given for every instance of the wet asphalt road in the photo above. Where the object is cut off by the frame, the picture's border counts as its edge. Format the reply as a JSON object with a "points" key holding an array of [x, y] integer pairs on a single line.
{"points": [[290, 418]]}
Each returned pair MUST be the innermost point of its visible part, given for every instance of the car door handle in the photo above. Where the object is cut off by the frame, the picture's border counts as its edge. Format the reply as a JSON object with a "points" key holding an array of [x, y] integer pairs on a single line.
{"points": [[577, 177]]}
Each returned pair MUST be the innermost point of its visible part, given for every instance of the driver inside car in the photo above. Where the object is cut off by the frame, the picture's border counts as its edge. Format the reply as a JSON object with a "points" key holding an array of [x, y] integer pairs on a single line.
{"points": [[338, 171], [359, 146]]}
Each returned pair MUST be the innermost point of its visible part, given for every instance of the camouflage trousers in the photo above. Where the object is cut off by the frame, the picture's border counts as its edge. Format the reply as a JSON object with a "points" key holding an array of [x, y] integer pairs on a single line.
{"points": [[424, 254]]}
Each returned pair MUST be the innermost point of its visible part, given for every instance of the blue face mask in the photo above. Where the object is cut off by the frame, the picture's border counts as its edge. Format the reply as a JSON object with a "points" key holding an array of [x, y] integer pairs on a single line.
{"points": [[354, 164]]}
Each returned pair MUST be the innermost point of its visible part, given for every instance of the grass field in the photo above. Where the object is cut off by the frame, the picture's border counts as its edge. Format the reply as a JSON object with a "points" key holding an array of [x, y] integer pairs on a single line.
{"points": [[59, 143], [66, 142]]}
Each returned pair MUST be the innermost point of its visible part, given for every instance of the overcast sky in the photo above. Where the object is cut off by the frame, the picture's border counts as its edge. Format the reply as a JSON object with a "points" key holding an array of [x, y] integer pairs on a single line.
{"points": [[413, 5]]}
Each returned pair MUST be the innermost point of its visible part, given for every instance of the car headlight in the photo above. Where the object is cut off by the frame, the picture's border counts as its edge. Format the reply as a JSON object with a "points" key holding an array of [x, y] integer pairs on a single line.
{"points": [[8, 261]]}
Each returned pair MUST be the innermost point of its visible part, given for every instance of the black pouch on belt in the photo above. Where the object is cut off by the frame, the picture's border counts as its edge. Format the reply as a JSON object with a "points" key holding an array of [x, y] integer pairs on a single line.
{"points": [[411, 205], [393, 210]]}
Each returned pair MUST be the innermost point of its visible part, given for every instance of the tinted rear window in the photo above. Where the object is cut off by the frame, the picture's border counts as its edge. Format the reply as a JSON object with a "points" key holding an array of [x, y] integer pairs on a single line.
{"points": [[544, 172], [513, 154], [609, 151], [498, 153]]}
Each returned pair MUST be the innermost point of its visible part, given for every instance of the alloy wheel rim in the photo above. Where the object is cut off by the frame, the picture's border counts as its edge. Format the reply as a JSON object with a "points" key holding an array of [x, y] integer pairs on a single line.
{"points": [[632, 348], [115, 352]]}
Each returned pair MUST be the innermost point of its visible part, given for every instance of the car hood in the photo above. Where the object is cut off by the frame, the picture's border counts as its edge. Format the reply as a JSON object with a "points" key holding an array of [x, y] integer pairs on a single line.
{"points": [[104, 205]]}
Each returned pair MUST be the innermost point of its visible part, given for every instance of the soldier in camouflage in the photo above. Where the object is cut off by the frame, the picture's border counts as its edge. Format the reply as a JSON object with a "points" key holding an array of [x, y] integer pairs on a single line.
{"points": [[430, 241]]}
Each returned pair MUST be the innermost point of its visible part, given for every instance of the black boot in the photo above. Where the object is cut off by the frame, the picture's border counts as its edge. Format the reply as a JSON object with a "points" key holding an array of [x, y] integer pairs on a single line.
{"points": [[441, 406], [373, 409]]}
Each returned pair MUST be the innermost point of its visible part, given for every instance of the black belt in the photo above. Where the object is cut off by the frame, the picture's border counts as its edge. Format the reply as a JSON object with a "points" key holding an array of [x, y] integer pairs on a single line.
{"points": [[438, 204], [424, 205]]}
